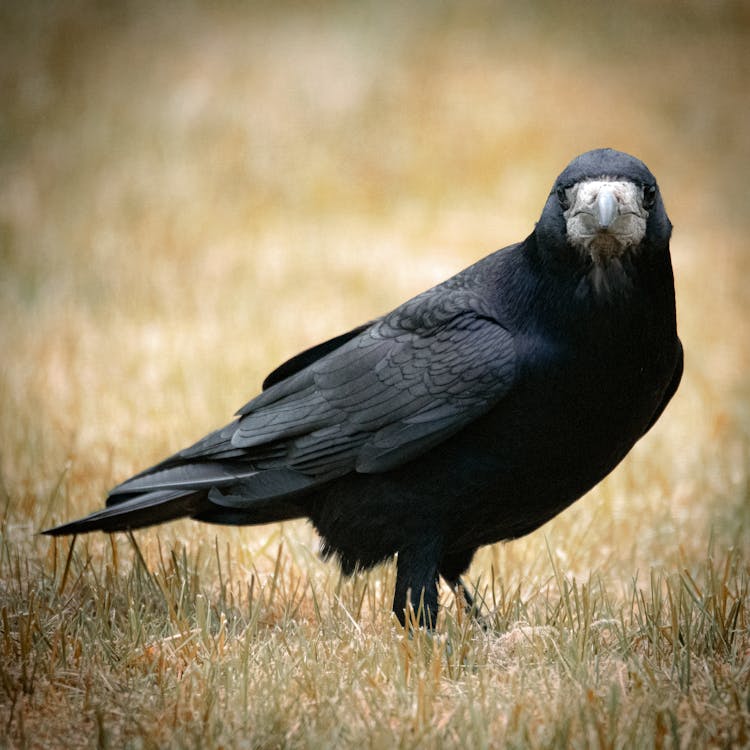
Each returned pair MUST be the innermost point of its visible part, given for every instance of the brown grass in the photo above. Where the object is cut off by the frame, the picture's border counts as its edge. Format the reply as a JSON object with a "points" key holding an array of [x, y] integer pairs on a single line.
{"points": [[189, 195]]}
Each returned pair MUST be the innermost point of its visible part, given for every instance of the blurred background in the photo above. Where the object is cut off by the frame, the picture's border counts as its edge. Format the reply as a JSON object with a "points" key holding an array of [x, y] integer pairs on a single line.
{"points": [[190, 193]]}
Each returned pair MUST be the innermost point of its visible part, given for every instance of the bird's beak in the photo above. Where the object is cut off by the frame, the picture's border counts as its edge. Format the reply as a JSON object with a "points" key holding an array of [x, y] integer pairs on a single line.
{"points": [[607, 208]]}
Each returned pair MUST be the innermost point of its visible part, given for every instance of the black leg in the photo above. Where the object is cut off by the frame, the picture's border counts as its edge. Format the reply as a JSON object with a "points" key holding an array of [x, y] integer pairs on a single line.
{"points": [[457, 584], [416, 583], [451, 568]]}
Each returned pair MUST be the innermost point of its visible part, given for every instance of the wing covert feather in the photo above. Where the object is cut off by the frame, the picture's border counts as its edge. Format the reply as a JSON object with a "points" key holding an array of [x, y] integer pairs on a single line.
{"points": [[388, 394]]}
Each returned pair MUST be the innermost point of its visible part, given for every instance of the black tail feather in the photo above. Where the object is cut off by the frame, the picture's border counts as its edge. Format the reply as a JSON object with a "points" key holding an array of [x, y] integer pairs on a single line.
{"points": [[208, 491], [136, 512]]}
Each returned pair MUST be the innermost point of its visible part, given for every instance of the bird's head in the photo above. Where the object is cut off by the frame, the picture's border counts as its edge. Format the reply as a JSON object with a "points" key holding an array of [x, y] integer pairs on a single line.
{"points": [[606, 204]]}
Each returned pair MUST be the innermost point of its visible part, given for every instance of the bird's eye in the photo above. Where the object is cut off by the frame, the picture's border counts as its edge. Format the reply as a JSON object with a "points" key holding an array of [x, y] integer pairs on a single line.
{"points": [[649, 196], [562, 197]]}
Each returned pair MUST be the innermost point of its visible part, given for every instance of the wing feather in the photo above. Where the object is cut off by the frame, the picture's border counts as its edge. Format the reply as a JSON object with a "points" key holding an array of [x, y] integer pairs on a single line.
{"points": [[389, 394], [384, 395]]}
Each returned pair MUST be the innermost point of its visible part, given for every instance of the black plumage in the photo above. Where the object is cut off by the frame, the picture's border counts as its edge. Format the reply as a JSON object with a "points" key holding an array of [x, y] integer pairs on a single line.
{"points": [[471, 414]]}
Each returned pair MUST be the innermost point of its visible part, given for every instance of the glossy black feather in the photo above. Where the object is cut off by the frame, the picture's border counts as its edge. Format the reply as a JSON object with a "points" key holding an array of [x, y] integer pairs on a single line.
{"points": [[472, 413]]}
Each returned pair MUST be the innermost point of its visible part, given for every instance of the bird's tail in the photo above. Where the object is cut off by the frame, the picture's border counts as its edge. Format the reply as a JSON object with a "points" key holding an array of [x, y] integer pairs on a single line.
{"points": [[136, 512], [227, 492]]}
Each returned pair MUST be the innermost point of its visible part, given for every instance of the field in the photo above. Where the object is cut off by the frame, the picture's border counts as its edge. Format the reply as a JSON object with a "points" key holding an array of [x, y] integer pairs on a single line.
{"points": [[189, 194]]}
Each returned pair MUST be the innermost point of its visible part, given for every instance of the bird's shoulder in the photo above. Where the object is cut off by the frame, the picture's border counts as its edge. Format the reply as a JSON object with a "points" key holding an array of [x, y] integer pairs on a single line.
{"points": [[459, 315]]}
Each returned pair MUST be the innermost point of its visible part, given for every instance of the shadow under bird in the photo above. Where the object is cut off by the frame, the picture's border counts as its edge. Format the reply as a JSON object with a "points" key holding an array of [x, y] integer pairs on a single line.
{"points": [[470, 414]]}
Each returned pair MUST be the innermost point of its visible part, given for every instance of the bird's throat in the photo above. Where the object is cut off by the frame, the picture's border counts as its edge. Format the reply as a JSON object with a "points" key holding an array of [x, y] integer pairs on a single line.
{"points": [[604, 247]]}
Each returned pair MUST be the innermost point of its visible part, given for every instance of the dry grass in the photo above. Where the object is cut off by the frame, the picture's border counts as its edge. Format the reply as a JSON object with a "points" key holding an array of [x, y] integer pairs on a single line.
{"points": [[189, 195]]}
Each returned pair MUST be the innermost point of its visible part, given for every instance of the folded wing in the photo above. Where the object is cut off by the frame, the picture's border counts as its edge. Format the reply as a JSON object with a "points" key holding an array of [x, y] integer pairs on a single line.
{"points": [[383, 397]]}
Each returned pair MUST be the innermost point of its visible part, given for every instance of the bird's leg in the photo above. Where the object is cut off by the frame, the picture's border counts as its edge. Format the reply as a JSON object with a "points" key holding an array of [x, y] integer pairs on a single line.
{"points": [[416, 584], [472, 607], [460, 588], [451, 568]]}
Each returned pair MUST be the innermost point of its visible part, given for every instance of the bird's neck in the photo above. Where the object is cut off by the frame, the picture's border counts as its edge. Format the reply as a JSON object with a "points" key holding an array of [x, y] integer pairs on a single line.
{"points": [[561, 288]]}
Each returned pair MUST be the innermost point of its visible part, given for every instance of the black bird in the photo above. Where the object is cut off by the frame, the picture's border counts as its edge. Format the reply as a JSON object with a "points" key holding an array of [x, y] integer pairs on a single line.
{"points": [[472, 413]]}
